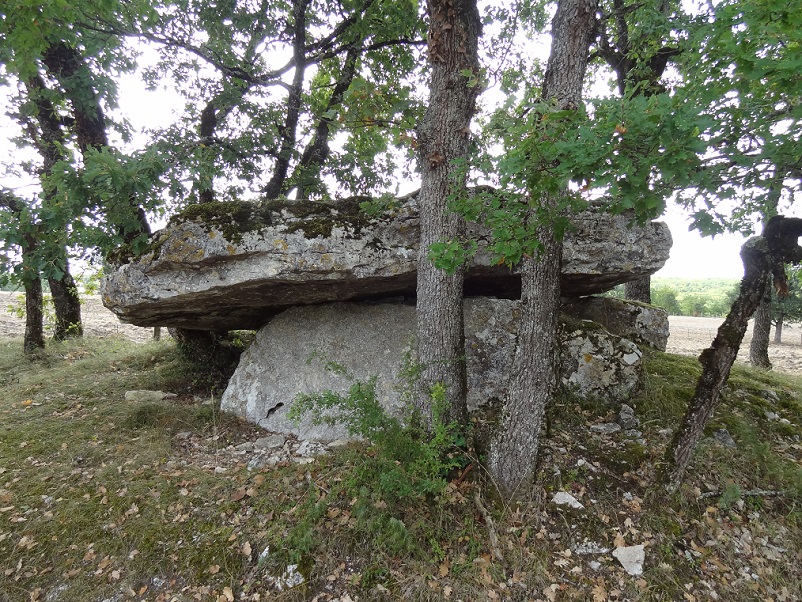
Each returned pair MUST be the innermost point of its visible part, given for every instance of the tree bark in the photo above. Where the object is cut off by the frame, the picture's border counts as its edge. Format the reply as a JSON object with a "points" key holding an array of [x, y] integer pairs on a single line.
{"points": [[778, 329], [514, 447], [67, 304], [34, 317], [639, 290], [762, 257], [761, 332], [454, 31]]}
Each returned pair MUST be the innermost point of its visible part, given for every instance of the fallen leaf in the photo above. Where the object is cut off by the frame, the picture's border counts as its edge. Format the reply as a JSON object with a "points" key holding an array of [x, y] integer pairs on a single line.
{"points": [[228, 594], [246, 549], [214, 569]]}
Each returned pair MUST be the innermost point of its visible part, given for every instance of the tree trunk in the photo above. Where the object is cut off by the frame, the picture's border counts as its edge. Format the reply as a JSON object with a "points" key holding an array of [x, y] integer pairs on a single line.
{"points": [[762, 257], [50, 141], [513, 448], [639, 290], [454, 31], [761, 331], [68, 306], [778, 329], [34, 317]]}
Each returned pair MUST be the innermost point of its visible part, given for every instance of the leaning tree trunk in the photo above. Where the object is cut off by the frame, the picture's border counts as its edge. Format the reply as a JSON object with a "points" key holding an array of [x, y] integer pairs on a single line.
{"points": [[639, 290], [513, 448], [443, 136], [761, 331], [761, 257]]}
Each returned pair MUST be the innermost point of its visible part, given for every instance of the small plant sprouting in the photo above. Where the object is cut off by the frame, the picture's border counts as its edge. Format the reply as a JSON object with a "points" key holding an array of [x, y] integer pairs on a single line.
{"points": [[408, 462]]}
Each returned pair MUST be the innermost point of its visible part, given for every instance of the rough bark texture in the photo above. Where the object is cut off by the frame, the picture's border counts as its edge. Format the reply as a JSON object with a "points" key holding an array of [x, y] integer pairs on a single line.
{"points": [[34, 310], [761, 332], [778, 330], [454, 31], [762, 257], [639, 290], [513, 450], [34, 317], [67, 304]]}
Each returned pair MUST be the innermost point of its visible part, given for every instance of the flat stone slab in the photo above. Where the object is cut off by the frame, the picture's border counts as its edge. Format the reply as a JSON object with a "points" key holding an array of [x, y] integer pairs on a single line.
{"points": [[327, 347], [227, 266]]}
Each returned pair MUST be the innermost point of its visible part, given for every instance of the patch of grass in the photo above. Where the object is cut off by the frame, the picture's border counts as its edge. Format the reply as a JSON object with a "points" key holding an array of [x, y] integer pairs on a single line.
{"points": [[102, 497]]}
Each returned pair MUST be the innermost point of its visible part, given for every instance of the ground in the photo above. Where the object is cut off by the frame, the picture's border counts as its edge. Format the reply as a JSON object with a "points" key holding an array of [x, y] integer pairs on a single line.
{"points": [[689, 336]]}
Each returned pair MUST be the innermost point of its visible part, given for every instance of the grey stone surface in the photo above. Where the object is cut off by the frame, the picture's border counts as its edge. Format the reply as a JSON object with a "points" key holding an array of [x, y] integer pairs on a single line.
{"points": [[297, 351], [145, 396], [631, 558], [638, 322], [236, 272]]}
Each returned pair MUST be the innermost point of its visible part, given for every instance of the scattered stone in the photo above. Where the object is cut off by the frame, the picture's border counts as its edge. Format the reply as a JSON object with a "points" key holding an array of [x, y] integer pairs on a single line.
{"points": [[627, 418], [563, 498], [248, 446], [770, 415], [311, 449], [590, 547], [631, 558], [220, 469], [723, 437], [290, 578], [596, 566], [770, 395], [337, 443], [269, 442], [607, 428], [148, 396], [633, 434], [184, 435]]}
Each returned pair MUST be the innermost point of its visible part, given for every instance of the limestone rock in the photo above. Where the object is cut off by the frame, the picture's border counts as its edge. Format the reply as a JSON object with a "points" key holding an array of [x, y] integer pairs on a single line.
{"points": [[638, 322], [631, 558], [225, 266], [311, 349]]}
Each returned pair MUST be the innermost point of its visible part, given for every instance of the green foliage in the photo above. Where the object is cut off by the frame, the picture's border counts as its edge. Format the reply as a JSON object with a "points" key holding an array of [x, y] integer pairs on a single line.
{"points": [[408, 462]]}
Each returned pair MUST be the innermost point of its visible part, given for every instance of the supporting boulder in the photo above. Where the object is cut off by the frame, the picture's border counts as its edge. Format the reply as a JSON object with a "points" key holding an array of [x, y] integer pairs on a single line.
{"points": [[311, 349]]}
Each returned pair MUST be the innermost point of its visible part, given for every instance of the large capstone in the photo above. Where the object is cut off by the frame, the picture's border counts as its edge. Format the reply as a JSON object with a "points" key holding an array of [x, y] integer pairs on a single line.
{"points": [[225, 266], [328, 347]]}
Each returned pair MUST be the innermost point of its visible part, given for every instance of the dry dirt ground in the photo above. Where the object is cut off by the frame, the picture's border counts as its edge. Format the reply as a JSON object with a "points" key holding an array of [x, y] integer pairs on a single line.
{"points": [[689, 336]]}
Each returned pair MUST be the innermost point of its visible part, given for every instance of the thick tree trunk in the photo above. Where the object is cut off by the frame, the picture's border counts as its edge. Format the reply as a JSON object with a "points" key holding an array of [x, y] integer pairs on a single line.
{"points": [[443, 139], [762, 257], [761, 332], [513, 451], [67, 304], [514, 446], [639, 290], [34, 317]]}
